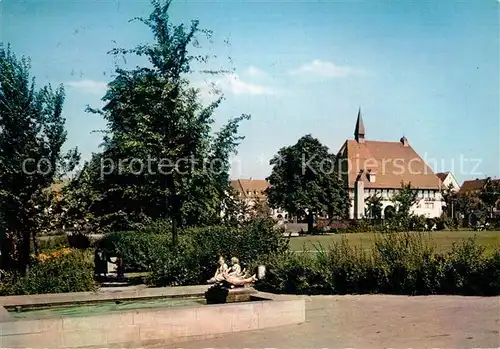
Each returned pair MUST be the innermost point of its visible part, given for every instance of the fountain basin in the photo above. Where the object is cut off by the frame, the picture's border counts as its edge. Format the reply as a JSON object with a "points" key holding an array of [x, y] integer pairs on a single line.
{"points": [[177, 315]]}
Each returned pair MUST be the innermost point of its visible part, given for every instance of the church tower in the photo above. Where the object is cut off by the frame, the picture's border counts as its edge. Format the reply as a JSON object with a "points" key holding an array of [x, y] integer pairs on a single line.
{"points": [[359, 132]]}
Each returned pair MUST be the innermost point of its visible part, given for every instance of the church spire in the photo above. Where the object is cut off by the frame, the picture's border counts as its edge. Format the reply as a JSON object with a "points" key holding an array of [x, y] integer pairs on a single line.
{"points": [[359, 132]]}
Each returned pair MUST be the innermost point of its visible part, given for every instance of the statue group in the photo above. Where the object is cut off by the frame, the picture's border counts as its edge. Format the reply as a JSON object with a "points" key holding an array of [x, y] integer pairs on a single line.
{"points": [[232, 275]]}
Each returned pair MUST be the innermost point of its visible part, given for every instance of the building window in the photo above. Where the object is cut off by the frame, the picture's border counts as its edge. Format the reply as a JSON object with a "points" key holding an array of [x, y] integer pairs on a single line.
{"points": [[429, 205]]}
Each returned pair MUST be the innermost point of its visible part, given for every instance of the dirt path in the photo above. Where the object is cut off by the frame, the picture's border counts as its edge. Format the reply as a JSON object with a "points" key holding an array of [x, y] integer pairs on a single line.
{"points": [[378, 322]]}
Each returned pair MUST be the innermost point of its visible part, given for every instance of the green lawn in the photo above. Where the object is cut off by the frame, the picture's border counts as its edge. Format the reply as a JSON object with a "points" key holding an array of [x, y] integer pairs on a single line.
{"points": [[443, 240]]}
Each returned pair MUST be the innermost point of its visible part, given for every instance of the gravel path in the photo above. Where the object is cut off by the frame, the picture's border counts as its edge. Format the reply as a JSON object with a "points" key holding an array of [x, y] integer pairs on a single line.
{"points": [[377, 321]]}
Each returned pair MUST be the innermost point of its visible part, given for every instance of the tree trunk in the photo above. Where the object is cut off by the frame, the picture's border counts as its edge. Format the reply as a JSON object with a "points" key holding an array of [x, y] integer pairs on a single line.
{"points": [[174, 231], [176, 219], [6, 250], [24, 253], [35, 244]]}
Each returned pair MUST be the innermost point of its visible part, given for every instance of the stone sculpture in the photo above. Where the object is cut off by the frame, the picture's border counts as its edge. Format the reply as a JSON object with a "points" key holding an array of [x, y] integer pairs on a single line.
{"points": [[219, 273], [234, 276]]}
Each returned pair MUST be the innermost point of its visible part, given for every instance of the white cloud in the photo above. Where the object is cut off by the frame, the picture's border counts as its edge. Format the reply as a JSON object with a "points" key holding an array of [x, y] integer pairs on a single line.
{"points": [[233, 84], [325, 69], [255, 72], [240, 87], [89, 86]]}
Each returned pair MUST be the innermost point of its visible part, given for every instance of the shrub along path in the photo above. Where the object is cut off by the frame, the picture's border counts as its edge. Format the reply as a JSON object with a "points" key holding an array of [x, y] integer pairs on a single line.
{"points": [[377, 321], [443, 240]]}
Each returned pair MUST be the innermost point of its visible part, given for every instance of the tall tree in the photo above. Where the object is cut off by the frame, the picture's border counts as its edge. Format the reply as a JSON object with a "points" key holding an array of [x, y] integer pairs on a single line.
{"points": [[260, 209], [467, 203], [303, 178], [449, 196], [405, 199], [31, 136], [176, 168], [490, 195]]}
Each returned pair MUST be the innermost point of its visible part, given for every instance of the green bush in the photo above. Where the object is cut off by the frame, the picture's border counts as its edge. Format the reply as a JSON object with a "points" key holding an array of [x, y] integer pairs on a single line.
{"points": [[175, 267], [463, 271], [79, 241], [52, 243], [293, 273], [139, 249], [72, 271], [160, 226], [491, 275], [396, 264], [417, 222]]}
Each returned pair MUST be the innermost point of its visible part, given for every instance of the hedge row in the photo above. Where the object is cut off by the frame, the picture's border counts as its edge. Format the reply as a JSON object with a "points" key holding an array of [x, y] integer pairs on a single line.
{"points": [[396, 264], [65, 270]]}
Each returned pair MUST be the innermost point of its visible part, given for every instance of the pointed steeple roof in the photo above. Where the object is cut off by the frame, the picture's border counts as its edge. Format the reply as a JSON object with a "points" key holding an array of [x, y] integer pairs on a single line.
{"points": [[359, 132]]}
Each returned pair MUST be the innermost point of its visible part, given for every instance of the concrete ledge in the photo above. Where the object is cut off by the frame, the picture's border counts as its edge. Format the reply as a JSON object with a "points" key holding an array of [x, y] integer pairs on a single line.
{"points": [[88, 297], [158, 325]]}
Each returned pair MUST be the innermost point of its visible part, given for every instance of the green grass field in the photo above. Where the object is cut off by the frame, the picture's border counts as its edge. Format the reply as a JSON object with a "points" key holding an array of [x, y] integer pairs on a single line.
{"points": [[442, 240]]}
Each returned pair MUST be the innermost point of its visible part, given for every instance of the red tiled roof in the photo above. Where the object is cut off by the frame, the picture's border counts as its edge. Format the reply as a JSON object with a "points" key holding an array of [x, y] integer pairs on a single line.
{"points": [[475, 184], [442, 175], [392, 162], [251, 188]]}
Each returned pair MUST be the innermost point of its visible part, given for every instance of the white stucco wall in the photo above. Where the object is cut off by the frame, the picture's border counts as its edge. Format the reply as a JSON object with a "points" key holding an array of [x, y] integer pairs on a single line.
{"points": [[430, 202], [450, 179], [274, 213]]}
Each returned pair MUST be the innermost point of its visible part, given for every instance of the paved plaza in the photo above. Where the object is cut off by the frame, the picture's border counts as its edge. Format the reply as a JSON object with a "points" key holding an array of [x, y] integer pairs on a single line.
{"points": [[376, 321]]}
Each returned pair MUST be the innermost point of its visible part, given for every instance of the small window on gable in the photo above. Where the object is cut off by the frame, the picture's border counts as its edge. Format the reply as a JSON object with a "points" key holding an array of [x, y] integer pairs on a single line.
{"points": [[371, 177]]}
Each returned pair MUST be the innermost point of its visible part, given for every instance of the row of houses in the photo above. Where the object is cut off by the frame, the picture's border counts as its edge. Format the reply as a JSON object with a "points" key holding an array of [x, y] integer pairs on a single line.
{"points": [[371, 167]]}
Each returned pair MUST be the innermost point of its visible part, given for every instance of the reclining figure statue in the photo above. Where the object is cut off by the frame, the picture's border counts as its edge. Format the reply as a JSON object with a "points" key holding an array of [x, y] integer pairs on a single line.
{"points": [[233, 276]]}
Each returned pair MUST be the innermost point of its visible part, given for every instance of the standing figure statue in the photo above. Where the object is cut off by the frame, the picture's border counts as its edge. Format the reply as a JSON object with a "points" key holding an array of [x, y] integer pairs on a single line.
{"points": [[219, 273]]}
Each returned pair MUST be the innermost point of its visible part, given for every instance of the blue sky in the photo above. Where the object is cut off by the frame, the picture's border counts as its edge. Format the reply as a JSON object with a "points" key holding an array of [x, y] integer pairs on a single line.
{"points": [[425, 69]]}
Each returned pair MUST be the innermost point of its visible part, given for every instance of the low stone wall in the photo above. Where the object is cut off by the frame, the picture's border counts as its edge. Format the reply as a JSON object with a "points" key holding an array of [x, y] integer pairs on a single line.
{"points": [[152, 325]]}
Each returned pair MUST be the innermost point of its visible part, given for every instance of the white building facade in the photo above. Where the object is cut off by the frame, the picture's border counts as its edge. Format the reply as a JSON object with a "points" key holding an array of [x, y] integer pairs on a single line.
{"points": [[253, 191], [378, 168], [449, 181]]}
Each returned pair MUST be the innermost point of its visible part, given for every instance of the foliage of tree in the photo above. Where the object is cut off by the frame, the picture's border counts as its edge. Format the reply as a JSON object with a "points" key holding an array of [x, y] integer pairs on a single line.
{"points": [[405, 199], [160, 157], [260, 209], [236, 210], [490, 195], [81, 208], [304, 178], [467, 203], [374, 207], [32, 134], [449, 196]]}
